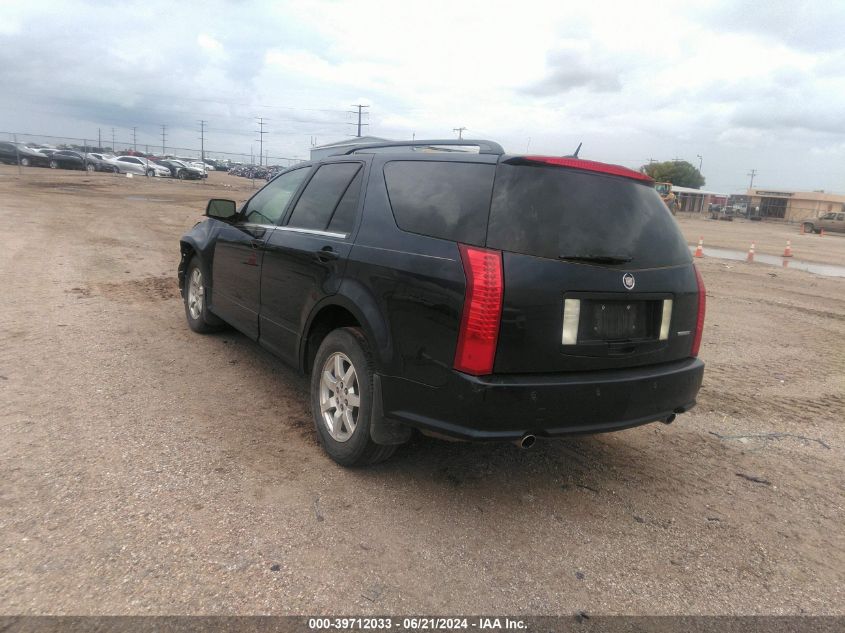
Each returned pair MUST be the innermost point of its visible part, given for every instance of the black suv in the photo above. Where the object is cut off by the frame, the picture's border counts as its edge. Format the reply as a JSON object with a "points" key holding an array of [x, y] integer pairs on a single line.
{"points": [[469, 295]]}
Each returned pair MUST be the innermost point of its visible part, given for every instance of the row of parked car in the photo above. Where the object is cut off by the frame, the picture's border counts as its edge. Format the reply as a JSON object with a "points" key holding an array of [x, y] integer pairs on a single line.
{"points": [[20, 153]]}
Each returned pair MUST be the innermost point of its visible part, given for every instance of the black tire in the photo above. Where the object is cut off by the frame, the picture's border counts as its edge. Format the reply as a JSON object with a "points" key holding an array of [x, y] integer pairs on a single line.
{"points": [[25, 162], [359, 449], [54, 164], [809, 228], [203, 322], [151, 173], [91, 167], [180, 175]]}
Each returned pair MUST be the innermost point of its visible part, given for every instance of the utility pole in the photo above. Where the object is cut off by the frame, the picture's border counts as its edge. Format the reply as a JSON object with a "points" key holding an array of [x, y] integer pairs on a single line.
{"points": [[360, 107], [700, 161], [112, 140], [752, 173], [202, 139], [99, 142], [260, 139], [134, 140], [163, 138], [460, 131]]}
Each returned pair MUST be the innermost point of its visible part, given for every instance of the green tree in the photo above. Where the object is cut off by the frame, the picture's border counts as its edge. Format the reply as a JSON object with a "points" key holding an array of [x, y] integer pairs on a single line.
{"points": [[679, 172]]}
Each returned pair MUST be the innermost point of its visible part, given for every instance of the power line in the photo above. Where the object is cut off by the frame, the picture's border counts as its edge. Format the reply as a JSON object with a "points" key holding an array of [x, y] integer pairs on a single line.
{"points": [[260, 139], [460, 131], [360, 107]]}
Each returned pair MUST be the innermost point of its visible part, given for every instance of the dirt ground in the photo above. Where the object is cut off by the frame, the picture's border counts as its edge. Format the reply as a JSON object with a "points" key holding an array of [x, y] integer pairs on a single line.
{"points": [[148, 469]]}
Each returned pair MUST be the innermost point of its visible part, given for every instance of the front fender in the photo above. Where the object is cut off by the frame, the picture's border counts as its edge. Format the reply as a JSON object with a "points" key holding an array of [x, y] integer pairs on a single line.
{"points": [[199, 242]]}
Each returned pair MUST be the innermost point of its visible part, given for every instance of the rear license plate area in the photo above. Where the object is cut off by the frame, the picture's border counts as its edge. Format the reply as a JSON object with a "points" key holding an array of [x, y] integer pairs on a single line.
{"points": [[614, 320]]}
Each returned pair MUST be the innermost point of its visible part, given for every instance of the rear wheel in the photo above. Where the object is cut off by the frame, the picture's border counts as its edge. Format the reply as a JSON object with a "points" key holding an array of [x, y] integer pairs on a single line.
{"points": [[180, 175], [151, 173], [91, 167], [809, 228], [196, 306], [342, 399]]}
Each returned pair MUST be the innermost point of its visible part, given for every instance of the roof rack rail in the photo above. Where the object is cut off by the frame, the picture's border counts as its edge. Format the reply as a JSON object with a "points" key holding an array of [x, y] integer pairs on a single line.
{"points": [[484, 147]]}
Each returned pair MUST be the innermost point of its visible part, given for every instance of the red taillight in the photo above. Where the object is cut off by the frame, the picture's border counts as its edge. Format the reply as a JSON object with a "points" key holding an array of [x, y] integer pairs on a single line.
{"points": [[699, 322], [590, 165], [482, 310]]}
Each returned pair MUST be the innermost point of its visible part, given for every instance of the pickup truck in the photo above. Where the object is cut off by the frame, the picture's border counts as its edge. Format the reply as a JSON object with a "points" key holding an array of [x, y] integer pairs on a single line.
{"points": [[831, 222]]}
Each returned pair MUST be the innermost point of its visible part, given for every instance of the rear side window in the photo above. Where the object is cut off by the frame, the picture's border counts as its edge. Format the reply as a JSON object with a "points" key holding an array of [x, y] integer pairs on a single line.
{"points": [[322, 197], [441, 199], [558, 213]]}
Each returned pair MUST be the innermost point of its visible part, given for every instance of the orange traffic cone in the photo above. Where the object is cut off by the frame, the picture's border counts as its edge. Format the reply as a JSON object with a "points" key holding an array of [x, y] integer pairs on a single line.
{"points": [[787, 252], [750, 257], [699, 251]]}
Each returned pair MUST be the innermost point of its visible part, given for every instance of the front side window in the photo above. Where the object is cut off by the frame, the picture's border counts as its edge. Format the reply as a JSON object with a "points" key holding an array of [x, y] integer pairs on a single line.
{"points": [[269, 204], [322, 198]]}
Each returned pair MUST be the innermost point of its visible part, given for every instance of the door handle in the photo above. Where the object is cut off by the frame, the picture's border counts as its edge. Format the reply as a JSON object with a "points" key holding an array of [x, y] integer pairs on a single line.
{"points": [[256, 243], [326, 254]]}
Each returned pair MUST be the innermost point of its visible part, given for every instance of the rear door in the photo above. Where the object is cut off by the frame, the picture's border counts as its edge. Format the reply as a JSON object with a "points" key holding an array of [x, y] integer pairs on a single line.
{"points": [[596, 272], [239, 253], [305, 257]]}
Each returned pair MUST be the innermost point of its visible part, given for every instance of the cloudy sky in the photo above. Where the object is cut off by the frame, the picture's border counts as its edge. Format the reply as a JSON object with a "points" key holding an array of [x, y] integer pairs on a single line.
{"points": [[744, 85]]}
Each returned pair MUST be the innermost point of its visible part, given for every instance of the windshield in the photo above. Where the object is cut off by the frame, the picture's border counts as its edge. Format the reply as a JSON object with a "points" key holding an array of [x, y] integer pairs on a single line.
{"points": [[573, 215]]}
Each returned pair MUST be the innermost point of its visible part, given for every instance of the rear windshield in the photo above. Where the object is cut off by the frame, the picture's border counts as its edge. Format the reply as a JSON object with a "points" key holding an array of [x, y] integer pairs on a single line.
{"points": [[565, 213]]}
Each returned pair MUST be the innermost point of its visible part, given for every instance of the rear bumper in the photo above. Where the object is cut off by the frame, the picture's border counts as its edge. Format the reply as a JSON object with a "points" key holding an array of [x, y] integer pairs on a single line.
{"points": [[507, 407]]}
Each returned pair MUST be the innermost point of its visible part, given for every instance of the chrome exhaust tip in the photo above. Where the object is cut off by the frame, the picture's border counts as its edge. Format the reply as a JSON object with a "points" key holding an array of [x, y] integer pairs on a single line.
{"points": [[527, 441]]}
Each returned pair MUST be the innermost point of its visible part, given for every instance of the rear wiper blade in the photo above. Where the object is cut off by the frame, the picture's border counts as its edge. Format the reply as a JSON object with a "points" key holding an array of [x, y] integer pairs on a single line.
{"points": [[598, 259]]}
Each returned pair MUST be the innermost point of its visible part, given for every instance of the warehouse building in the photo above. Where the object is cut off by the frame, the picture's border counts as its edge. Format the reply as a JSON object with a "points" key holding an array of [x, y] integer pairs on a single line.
{"points": [[793, 206]]}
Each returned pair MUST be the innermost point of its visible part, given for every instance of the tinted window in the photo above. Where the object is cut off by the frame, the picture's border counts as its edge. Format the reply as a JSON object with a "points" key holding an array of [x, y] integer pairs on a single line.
{"points": [[268, 205], [344, 215], [318, 202], [554, 212], [440, 199]]}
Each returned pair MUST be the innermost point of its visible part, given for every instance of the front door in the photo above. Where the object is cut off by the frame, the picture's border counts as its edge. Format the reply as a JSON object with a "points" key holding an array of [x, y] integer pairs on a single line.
{"points": [[306, 256], [239, 252]]}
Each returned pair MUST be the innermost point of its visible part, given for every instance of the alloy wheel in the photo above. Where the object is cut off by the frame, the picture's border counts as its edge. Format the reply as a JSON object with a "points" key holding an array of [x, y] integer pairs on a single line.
{"points": [[340, 397], [196, 294]]}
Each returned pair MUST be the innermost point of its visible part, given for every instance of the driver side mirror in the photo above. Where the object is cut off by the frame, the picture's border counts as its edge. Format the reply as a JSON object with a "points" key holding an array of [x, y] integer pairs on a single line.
{"points": [[225, 210]]}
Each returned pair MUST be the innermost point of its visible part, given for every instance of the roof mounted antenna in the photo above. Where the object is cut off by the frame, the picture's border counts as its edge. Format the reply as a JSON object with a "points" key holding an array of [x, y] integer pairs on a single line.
{"points": [[577, 149]]}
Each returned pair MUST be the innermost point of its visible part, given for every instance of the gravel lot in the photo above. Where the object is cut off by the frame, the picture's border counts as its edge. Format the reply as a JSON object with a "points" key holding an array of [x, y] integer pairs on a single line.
{"points": [[147, 469]]}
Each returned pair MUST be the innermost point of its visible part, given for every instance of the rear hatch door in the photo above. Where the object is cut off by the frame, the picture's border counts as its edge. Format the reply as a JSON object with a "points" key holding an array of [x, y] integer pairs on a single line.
{"points": [[596, 272]]}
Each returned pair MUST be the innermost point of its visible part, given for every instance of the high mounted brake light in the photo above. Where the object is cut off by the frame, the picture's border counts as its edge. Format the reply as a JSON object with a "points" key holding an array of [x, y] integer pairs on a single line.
{"points": [[479, 331], [590, 165], [699, 322]]}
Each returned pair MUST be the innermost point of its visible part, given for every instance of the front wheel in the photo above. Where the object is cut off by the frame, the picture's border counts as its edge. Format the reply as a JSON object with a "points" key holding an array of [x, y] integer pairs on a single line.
{"points": [[342, 399], [54, 164], [180, 175], [196, 306], [25, 162], [809, 228], [91, 167], [151, 173]]}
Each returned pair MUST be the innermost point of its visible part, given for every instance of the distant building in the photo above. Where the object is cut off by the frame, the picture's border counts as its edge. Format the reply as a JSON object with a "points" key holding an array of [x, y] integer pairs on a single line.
{"points": [[339, 147], [793, 206], [697, 200]]}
